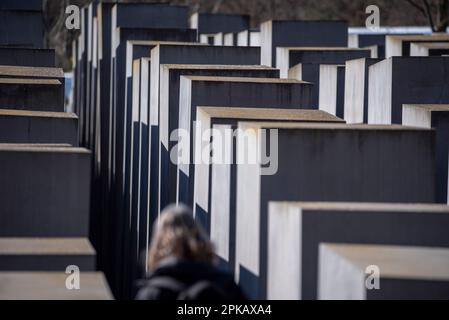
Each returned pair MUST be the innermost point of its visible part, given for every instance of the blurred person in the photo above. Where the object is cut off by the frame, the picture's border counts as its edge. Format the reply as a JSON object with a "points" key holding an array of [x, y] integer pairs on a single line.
{"points": [[182, 263]]}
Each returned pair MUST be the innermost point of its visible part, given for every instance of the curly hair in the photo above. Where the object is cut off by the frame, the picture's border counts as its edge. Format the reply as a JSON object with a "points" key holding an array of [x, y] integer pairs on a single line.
{"points": [[177, 234]]}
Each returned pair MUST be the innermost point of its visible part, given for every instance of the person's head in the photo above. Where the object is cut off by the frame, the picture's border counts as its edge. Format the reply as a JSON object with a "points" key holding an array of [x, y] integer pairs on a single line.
{"points": [[176, 234]]}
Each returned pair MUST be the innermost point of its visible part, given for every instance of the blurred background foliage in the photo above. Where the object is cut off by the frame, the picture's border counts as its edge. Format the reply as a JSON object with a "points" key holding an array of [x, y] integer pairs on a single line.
{"points": [[392, 13]]}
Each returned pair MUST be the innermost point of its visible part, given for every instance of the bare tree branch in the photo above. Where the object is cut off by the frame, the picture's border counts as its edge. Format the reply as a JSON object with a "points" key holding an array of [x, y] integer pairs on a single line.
{"points": [[429, 14], [417, 6]]}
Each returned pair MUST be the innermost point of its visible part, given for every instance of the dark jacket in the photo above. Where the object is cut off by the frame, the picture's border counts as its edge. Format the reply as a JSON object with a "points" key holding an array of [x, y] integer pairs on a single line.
{"points": [[183, 280]]}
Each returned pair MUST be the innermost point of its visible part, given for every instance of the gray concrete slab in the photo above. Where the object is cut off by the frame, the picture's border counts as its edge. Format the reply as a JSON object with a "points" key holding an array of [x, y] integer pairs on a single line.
{"points": [[298, 33], [21, 126], [405, 273], [357, 89], [52, 286], [229, 92], [46, 254], [48, 191], [305, 225], [330, 162], [32, 94], [405, 80], [215, 180]]}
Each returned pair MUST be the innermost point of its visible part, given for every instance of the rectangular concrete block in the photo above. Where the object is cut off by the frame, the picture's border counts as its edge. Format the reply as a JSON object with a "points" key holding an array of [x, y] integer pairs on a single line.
{"points": [[32, 94], [7, 71], [182, 54], [215, 177], [356, 90], [425, 49], [295, 231], [169, 112], [118, 119], [227, 92], [51, 286], [46, 254], [48, 191], [276, 34], [27, 57], [207, 23], [330, 162], [332, 89], [399, 45], [29, 5], [304, 63], [437, 117], [18, 126], [405, 80], [149, 15], [405, 273], [20, 28], [367, 40]]}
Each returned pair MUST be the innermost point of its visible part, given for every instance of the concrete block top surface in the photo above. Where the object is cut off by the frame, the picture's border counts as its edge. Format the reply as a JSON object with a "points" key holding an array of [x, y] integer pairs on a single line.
{"points": [[51, 286], [40, 72], [167, 43], [397, 261], [215, 67], [42, 148], [248, 80], [45, 246], [433, 45], [269, 113], [138, 15], [429, 107], [324, 126], [30, 81], [299, 22], [36, 114], [325, 49], [368, 207], [208, 23], [424, 37]]}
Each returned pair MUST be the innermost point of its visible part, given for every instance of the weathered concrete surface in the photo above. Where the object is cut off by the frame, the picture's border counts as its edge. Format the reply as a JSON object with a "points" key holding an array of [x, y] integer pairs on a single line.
{"points": [[304, 63], [329, 163], [437, 117], [332, 89], [169, 112], [48, 191], [51, 286], [357, 89], [19, 126], [399, 45], [229, 92], [276, 34], [305, 225], [46, 254], [32, 94], [214, 183], [27, 57], [21, 28], [405, 273], [28, 5], [406, 80], [207, 23], [424, 49]]}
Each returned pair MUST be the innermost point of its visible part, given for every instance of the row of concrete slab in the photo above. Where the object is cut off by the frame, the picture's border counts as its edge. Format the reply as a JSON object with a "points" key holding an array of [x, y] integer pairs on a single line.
{"points": [[45, 252], [172, 120]]}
